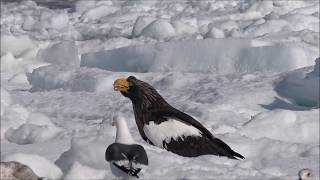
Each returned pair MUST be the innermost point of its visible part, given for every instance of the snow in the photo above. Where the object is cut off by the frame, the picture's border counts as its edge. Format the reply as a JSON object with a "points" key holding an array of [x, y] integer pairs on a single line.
{"points": [[88, 151], [79, 171], [281, 123], [243, 69]]}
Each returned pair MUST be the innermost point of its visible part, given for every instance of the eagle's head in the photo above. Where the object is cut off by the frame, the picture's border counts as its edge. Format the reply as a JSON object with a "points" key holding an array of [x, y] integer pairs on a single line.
{"points": [[126, 86], [138, 91]]}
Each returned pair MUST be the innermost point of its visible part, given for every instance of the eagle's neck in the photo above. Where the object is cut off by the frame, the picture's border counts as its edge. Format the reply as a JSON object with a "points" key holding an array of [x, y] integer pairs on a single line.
{"points": [[144, 103], [148, 99]]}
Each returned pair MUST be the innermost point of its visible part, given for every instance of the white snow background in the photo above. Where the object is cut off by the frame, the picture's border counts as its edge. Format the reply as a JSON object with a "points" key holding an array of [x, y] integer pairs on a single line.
{"points": [[245, 69]]}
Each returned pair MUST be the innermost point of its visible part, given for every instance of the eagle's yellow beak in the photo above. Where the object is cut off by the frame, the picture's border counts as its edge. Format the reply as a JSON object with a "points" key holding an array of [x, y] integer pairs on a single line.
{"points": [[121, 85]]}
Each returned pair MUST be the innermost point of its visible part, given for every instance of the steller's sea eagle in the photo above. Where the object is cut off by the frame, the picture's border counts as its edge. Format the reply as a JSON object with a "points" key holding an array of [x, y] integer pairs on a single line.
{"points": [[163, 126]]}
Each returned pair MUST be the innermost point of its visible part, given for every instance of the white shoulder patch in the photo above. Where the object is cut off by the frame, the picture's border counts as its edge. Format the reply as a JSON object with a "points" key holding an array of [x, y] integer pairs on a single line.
{"points": [[157, 133]]}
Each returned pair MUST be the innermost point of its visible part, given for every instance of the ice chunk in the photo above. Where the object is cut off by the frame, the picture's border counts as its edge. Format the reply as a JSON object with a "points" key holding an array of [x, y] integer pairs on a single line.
{"points": [[159, 29], [82, 79], [9, 63], [51, 20], [38, 128], [15, 44], [140, 24], [301, 86], [58, 21], [183, 29], [63, 54], [315, 72], [13, 116], [30, 134], [40, 165], [215, 33], [49, 77], [98, 12], [219, 56], [29, 23], [5, 100]]}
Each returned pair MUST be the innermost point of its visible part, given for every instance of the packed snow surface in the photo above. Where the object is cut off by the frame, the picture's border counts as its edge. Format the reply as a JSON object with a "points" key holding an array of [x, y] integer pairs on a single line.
{"points": [[246, 70]]}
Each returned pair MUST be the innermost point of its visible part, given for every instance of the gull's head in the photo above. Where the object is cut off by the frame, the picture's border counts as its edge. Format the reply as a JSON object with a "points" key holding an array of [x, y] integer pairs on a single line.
{"points": [[305, 174]]}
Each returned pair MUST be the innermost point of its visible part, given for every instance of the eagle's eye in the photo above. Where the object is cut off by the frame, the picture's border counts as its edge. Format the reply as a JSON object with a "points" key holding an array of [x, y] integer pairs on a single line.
{"points": [[131, 78]]}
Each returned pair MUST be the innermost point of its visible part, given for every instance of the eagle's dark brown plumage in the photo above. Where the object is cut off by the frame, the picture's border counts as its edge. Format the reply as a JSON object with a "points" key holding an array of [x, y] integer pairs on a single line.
{"points": [[150, 107]]}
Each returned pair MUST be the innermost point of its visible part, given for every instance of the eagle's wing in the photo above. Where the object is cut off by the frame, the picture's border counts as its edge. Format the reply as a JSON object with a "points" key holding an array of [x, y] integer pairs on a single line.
{"points": [[173, 113]]}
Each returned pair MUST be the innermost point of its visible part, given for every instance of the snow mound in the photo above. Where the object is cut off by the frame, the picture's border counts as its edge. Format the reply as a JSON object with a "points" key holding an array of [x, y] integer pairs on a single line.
{"points": [[40, 165], [30, 134], [9, 63], [51, 20], [140, 24], [159, 29], [98, 12], [219, 56], [301, 86], [15, 44], [64, 54], [13, 116], [79, 171], [5, 100], [183, 29], [37, 128], [215, 33], [88, 151], [20, 126], [284, 125]]}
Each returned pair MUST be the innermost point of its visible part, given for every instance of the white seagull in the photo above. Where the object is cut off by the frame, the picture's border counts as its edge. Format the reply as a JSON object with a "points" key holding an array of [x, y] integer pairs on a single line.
{"points": [[305, 174], [125, 156]]}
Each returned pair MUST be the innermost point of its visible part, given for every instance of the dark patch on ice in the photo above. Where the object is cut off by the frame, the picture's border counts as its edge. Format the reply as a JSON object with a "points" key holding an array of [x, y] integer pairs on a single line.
{"points": [[281, 104]]}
